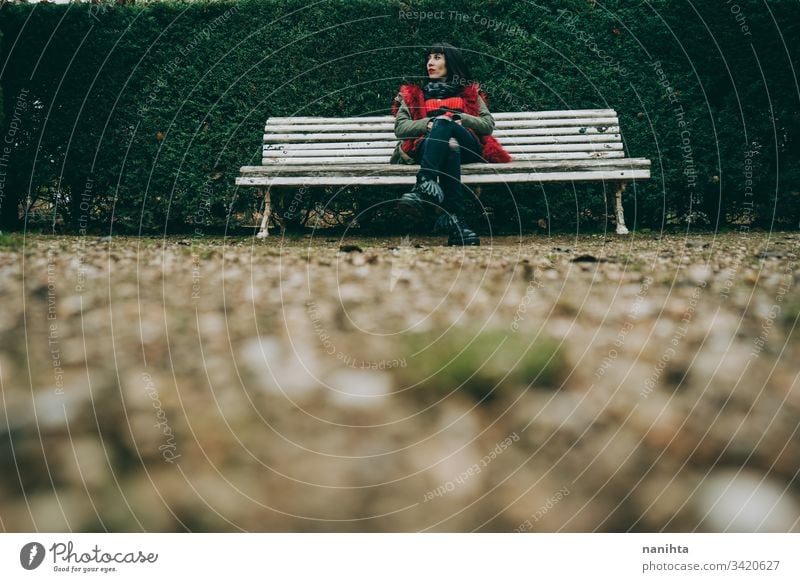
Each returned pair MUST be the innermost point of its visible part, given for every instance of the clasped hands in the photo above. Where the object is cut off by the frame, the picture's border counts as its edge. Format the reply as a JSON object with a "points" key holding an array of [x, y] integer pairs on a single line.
{"points": [[447, 117]]}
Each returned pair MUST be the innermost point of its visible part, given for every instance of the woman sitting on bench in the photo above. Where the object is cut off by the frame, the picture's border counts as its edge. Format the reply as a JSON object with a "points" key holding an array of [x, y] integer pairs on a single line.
{"points": [[443, 124]]}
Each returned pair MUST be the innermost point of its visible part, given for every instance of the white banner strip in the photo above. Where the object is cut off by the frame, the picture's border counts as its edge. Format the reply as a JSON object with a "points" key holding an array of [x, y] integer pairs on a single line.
{"points": [[401, 557]]}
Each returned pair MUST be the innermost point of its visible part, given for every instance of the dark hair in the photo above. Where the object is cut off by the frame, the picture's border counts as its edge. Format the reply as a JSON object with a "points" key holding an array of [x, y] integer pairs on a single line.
{"points": [[456, 65]]}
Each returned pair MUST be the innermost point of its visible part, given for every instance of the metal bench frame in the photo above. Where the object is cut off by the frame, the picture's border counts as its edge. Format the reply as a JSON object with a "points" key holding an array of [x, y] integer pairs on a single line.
{"points": [[546, 146]]}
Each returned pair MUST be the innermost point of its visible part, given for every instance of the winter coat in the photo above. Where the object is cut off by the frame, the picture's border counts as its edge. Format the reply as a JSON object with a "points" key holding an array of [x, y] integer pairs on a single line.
{"points": [[411, 123]]}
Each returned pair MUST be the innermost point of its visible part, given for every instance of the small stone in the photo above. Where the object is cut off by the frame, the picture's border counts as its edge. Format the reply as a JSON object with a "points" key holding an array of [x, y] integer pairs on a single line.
{"points": [[56, 408], [87, 465], [61, 511], [699, 274], [746, 501], [72, 305], [279, 367], [350, 249], [696, 244], [588, 259], [774, 254], [359, 388], [351, 292]]}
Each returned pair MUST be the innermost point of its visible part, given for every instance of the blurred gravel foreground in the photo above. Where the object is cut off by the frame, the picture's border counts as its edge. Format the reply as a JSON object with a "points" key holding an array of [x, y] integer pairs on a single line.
{"points": [[591, 383]]}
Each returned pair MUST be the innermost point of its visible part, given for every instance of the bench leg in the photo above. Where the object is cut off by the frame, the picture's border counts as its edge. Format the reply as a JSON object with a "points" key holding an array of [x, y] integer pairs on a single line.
{"points": [[620, 215], [264, 232]]}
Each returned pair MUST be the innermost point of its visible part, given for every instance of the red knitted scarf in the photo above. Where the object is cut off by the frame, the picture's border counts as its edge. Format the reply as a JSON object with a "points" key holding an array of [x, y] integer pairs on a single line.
{"points": [[414, 97]]}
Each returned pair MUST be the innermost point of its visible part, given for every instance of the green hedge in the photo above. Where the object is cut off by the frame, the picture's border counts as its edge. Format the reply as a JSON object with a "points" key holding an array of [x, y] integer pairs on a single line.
{"points": [[136, 119]]}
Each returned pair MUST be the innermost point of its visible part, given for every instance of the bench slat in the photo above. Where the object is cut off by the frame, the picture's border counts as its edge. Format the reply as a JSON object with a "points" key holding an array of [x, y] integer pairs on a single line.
{"points": [[391, 143], [594, 175], [520, 124], [612, 132], [566, 113], [534, 131], [502, 124], [530, 148], [407, 169], [498, 115], [276, 153], [385, 158]]}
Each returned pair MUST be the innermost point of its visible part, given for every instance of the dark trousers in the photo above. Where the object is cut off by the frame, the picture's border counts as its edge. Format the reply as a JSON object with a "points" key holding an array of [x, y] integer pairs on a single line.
{"points": [[437, 158]]}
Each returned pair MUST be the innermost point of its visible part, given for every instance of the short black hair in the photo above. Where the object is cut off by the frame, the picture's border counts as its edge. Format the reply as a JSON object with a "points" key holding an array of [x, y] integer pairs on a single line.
{"points": [[454, 62]]}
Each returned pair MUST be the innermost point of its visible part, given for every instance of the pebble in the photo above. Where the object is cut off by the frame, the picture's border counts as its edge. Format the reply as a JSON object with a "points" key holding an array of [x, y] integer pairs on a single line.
{"points": [[69, 511], [350, 249], [55, 410], [746, 501], [281, 369], [589, 259], [699, 274], [362, 389]]}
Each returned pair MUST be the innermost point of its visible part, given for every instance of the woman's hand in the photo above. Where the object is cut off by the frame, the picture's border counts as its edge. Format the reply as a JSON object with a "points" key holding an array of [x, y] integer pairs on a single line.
{"points": [[447, 117]]}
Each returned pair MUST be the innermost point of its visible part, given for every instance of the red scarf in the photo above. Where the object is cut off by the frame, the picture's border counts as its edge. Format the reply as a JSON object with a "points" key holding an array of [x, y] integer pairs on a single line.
{"points": [[450, 103], [414, 97]]}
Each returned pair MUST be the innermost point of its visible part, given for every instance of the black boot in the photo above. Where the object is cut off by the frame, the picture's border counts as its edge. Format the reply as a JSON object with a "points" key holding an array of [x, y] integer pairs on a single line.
{"points": [[442, 224], [425, 191], [461, 234]]}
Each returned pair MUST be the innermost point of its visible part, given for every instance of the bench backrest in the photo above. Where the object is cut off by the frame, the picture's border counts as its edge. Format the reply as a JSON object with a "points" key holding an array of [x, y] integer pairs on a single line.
{"points": [[527, 135]]}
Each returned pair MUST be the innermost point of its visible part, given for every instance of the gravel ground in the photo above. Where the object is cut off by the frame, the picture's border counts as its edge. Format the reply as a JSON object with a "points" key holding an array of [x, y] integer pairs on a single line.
{"points": [[590, 383]]}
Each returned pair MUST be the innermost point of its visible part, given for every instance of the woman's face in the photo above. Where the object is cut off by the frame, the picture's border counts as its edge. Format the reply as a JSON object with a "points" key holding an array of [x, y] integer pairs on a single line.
{"points": [[437, 68]]}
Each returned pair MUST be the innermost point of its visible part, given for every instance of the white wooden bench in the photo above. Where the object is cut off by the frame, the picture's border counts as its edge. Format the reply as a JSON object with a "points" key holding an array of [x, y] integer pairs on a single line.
{"points": [[546, 146]]}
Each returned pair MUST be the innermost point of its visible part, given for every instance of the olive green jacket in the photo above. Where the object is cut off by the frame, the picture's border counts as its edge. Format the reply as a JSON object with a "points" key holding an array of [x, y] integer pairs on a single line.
{"points": [[407, 128]]}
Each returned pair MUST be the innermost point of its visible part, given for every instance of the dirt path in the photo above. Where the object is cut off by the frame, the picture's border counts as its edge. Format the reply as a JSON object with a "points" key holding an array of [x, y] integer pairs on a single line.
{"points": [[584, 383]]}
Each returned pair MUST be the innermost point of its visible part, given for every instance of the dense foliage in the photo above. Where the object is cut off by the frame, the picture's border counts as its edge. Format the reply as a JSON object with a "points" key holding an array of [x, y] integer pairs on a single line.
{"points": [[137, 118]]}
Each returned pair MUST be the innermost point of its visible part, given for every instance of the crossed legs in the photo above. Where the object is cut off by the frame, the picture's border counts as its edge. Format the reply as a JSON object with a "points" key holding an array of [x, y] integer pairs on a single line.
{"points": [[447, 146]]}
